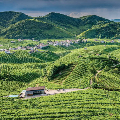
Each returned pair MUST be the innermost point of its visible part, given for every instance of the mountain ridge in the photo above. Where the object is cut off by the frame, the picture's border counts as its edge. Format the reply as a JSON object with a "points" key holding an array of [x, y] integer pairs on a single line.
{"points": [[67, 26]]}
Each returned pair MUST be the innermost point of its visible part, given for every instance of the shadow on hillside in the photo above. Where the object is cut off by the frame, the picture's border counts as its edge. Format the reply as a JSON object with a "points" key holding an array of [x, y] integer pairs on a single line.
{"points": [[108, 50], [27, 77], [46, 56], [11, 58]]}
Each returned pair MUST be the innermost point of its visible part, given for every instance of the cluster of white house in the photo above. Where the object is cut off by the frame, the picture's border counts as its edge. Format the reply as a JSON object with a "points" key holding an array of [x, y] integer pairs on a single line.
{"points": [[42, 45]]}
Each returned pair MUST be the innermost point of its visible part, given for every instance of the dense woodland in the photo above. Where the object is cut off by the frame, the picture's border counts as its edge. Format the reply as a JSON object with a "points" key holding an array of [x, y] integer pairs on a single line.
{"points": [[92, 64]]}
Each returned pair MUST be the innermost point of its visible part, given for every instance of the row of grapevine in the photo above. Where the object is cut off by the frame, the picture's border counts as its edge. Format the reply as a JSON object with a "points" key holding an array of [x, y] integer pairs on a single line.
{"points": [[88, 104]]}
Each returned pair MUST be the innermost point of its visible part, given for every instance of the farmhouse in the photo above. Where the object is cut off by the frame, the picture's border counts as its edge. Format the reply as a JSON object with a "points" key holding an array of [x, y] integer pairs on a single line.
{"points": [[33, 91], [12, 41], [7, 51]]}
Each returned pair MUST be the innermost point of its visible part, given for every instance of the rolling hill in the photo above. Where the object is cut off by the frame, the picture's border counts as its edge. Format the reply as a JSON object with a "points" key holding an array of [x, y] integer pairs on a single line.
{"points": [[73, 25], [10, 17], [102, 30], [18, 25], [31, 28]]}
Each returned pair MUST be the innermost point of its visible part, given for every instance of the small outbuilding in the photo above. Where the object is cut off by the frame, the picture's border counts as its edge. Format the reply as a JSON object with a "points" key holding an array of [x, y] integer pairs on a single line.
{"points": [[32, 91], [35, 90]]}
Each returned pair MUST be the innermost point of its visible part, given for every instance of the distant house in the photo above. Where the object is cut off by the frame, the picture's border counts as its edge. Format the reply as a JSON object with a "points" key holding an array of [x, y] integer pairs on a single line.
{"points": [[1, 49], [12, 41], [7, 51], [67, 44], [102, 41], [35, 90], [19, 40], [84, 40], [32, 51], [41, 46], [50, 43], [19, 47], [14, 48], [23, 48], [29, 48], [112, 41], [35, 40]]}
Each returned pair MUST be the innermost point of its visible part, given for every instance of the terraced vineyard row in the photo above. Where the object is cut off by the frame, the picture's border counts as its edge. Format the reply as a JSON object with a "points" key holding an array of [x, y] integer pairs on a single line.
{"points": [[88, 104]]}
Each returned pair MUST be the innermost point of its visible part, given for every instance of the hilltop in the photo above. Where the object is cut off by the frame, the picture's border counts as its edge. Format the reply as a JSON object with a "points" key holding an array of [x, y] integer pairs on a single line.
{"points": [[10, 17], [31, 28], [109, 30]]}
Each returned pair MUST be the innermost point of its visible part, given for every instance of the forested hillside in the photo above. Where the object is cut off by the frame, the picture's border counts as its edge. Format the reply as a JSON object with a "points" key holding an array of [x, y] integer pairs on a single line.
{"points": [[31, 28], [18, 25], [10, 17], [102, 30]]}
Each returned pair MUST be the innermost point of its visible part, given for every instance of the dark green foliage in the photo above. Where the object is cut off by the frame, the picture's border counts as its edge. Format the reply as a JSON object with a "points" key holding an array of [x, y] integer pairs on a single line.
{"points": [[18, 57], [94, 85], [93, 19], [56, 25], [31, 28], [104, 30], [60, 19], [55, 70], [46, 56], [10, 17]]}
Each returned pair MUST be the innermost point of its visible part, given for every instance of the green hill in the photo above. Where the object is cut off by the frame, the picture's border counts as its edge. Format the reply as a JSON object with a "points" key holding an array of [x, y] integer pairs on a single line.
{"points": [[55, 25], [31, 28], [102, 30], [10, 17], [92, 19], [72, 25]]}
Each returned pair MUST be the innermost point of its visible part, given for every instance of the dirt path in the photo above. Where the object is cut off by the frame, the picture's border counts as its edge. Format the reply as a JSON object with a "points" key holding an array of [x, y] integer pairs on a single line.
{"points": [[91, 81], [53, 92], [97, 74]]}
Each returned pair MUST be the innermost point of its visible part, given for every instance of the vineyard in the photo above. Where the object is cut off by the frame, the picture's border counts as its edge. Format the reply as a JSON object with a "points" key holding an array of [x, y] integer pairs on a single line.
{"points": [[87, 104], [58, 67]]}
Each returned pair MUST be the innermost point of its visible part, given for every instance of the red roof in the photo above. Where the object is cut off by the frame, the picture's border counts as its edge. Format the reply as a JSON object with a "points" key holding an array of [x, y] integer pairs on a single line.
{"points": [[35, 88]]}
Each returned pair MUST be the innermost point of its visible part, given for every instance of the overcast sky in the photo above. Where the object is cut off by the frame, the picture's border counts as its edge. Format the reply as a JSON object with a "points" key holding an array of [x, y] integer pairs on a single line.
{"points": [[109, 9]]}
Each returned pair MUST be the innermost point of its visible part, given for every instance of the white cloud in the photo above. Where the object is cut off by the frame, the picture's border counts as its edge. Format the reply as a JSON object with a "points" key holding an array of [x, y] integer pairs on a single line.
{"points": [[77, 14], [36, 13]]}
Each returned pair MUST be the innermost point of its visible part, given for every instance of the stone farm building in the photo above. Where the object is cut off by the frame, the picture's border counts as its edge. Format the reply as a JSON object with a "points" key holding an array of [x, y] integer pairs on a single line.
{"points": [[35, 90]]}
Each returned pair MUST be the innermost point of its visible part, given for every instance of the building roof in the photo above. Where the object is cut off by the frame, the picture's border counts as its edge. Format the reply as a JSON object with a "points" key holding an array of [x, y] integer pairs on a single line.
{"points": [[35, 88]]}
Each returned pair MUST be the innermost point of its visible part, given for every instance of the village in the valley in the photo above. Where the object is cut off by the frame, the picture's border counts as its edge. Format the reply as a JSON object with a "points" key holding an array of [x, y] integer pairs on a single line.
{"points": [[65, 43]]}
